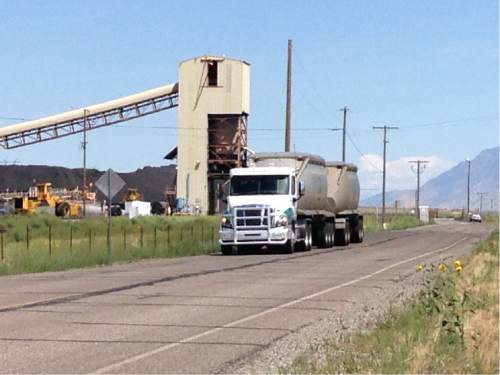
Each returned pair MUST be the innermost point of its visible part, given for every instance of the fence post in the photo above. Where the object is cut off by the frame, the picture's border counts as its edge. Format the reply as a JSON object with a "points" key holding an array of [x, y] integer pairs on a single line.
{"points": [[50, 240], [141, 238], [71, 237], [90, 239], [168, 236], [27, 236], [154, 239], [1, 245], [124, 239]]}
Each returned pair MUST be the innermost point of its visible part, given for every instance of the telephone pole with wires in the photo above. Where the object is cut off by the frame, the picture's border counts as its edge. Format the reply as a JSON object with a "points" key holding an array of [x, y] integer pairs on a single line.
{"points": [[419, 163], [481, 195], [84, 147], [385, 128], [345, 109], [288, 114]]}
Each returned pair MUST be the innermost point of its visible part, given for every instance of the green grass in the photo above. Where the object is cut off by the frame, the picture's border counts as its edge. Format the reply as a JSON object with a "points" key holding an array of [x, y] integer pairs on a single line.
{"points": [[83, 243], [451, 327], [394, 222]]}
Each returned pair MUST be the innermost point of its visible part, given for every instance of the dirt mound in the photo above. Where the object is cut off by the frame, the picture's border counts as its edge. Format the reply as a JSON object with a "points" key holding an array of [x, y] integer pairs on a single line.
{"points": [[151, 181]]}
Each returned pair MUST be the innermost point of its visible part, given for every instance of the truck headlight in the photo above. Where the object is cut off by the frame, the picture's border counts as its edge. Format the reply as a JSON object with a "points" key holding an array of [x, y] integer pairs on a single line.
{"points": [[282, 221], [225, 222]]}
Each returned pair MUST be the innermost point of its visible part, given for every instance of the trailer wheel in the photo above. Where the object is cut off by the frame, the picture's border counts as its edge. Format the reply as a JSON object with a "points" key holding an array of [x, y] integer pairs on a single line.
{"points": [[343, 236], [327, 235], [226, 249], [358, 231]]}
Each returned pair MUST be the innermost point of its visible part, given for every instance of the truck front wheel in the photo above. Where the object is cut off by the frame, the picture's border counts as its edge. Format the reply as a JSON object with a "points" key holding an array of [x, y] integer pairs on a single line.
{"points": [[289, 247], [226, 249]]}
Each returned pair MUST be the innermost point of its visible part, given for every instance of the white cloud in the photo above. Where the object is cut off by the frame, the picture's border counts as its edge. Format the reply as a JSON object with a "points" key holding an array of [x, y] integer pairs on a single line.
{"points": [[400, 173]]}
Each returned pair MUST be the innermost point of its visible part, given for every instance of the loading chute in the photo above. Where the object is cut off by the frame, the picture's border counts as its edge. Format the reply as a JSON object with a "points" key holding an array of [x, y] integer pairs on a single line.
{"points": [[89, 118]]}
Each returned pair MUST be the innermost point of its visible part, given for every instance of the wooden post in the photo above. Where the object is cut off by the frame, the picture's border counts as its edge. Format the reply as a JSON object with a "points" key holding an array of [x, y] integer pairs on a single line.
{"points": [[50, 240], [71, 237], [154, 238], [141, 238], [1, 246], [27, 237]]}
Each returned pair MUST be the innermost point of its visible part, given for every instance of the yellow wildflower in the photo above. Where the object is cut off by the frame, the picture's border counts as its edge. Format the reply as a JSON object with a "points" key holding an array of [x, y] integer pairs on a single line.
{"points": [[458, 269], [457, 264], [420, 267], [442, 267]]}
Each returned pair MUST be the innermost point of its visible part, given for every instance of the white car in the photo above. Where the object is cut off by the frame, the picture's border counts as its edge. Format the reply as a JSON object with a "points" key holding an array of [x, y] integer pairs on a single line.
{"points": [[476, 217]]}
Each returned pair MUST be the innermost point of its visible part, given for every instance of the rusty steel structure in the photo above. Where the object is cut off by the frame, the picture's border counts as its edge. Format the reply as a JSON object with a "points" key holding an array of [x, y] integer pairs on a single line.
{"points": [[89, 118], [227, 142]]}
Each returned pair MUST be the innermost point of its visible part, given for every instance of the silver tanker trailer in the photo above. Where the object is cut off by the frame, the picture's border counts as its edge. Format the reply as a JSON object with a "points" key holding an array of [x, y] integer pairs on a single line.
{"points": [[291, 201]]}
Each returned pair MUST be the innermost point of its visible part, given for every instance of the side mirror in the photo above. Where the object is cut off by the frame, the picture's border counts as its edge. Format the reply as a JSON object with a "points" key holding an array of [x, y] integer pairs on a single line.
{"points": [[302, 188]]}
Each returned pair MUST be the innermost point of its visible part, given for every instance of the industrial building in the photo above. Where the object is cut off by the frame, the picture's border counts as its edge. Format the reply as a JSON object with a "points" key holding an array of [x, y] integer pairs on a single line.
{"points": [[213, 96]]}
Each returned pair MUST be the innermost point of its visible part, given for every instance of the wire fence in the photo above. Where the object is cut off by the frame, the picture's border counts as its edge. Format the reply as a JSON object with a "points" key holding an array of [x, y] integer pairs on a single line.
{"points": [[38, 247]]}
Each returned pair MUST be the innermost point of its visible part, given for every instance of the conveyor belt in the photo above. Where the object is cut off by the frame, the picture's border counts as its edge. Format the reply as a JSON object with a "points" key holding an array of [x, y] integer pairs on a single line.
{"points": [[91, 117]]}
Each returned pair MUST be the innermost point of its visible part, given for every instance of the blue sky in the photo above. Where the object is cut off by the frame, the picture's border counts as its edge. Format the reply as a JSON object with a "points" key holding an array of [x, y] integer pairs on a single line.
{"points": [[429, 67]]}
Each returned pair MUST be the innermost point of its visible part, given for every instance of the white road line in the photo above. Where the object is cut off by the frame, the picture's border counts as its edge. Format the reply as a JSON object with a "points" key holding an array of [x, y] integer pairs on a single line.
{"points": [[268, 311]]}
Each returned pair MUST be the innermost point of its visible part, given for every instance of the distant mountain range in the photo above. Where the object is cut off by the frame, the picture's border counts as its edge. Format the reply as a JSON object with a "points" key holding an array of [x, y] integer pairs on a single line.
{"points": [[449, 189], [151, 181]]}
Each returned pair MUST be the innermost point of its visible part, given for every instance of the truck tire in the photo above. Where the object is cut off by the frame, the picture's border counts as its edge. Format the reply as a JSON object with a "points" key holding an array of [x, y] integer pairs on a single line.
{"points": [[330, 234], [323, 236], [358, 231], [62, 209], [306, 243], [289, 247], [343, 236], [226, 249], [309, 237]]}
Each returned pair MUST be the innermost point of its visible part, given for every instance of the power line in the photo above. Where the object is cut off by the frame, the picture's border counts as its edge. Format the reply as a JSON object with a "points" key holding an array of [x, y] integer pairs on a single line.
{"points": [[14, 118], [361, 153]]}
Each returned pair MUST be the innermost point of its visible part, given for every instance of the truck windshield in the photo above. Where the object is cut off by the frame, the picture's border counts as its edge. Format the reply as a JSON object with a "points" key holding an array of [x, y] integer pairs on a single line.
{"points": [[254, 185]]}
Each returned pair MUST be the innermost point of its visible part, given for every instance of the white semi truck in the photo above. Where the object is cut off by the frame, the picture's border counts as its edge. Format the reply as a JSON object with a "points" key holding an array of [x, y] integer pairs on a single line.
{"points": [[291, 201]]}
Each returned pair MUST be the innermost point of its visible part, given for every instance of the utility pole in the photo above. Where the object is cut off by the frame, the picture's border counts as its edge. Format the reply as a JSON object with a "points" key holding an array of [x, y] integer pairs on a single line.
{"points": [[288, 119], [84, 146], [468, 186], [385, 128], [417, 198], [491, 202], [481, 201], [345, 109]]}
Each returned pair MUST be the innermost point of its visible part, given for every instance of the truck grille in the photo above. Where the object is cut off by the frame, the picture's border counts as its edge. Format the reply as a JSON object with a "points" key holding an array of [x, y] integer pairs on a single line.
{"points": [[252, 218]]}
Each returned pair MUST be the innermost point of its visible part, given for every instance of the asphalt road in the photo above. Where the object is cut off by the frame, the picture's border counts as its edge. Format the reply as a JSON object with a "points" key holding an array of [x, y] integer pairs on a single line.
{"points": [[199, 314]]}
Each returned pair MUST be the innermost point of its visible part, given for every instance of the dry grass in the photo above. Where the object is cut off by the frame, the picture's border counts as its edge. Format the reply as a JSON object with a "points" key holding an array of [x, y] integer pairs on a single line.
{"points": [[419, 338]]}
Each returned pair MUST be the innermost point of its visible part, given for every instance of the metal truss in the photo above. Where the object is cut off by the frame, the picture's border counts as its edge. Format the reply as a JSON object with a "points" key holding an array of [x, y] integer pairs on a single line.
{"points": [[90, 122]]}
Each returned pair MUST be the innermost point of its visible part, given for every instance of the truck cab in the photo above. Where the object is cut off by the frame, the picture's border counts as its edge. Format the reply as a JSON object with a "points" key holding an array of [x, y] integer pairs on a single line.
{"points": [[261, 208]]}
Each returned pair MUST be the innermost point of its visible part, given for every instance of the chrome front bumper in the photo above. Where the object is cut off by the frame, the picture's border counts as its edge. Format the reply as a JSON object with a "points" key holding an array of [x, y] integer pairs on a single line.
{"points": [[254, 225]]}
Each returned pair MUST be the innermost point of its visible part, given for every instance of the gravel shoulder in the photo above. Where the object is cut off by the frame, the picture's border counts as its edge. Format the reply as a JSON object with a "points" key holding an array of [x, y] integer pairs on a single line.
{"points": [[359, 314]]}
